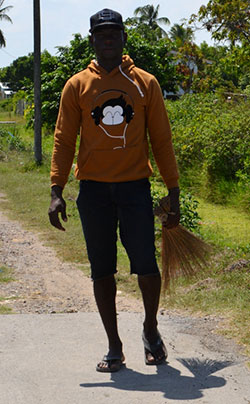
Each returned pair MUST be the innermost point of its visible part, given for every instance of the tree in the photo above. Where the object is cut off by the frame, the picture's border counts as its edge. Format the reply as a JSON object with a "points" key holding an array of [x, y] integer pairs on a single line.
{"points": [[226, 19], [155, 58], [147, 24], [4, 16], [180, 34], [222, 69], [56, 70], [19, 74], [188, 61]]}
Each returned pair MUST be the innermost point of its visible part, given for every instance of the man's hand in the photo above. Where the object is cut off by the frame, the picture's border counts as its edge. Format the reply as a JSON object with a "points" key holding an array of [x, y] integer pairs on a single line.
{"points": [[173, 217], [57, 205]]}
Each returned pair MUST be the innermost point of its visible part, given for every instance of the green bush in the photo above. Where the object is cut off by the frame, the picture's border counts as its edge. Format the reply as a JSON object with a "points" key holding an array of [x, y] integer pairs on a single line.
{"points": [[188, 206], [212, 140], [6, 105], [189, 214]]}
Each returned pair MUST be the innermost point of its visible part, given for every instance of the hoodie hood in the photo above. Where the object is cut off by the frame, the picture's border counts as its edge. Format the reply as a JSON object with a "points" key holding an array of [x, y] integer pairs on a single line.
{"points": [[125, 69], [127, 65]]}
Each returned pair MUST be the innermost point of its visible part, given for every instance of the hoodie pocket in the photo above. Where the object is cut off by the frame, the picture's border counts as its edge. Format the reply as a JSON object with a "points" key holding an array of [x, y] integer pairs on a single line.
{"points": [[125, 164]]}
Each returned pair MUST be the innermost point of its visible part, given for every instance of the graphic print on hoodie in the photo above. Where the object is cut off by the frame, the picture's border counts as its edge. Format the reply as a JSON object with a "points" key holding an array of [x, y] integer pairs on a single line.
{"points": [[112, 112]]}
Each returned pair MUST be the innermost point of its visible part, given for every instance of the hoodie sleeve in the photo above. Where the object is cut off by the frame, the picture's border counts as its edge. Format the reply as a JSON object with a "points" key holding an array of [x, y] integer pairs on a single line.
{"points": [[160, 135], [67, 127]]}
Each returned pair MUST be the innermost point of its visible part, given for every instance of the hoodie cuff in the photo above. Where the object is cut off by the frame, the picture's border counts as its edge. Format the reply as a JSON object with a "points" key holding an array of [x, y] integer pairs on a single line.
{"points": [[172, 183]]}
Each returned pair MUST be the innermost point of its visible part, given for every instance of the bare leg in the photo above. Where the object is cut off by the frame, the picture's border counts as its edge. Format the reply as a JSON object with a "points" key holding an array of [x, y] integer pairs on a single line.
{"points": [[150, 286], [105, 294]]}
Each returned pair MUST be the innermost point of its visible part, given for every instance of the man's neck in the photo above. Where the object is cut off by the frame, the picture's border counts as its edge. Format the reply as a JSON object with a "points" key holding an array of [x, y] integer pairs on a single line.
{"points": [[109, 65]]}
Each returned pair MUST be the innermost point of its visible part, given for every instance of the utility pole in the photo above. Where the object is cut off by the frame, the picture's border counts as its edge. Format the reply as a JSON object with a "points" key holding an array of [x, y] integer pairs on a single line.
{"points": [[37, 83]]}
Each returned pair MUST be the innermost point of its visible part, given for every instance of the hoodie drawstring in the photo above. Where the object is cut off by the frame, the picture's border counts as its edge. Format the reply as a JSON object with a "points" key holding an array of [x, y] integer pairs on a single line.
{"points": [[128, 78]]}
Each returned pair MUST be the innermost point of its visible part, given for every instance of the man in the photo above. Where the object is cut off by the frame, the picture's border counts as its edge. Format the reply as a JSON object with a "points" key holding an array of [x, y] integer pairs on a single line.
{"points": [[114, 103]]}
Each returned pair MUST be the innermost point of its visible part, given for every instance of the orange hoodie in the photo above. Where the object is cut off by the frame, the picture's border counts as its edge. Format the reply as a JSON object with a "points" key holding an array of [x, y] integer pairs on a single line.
{"points": [[113, 112]]}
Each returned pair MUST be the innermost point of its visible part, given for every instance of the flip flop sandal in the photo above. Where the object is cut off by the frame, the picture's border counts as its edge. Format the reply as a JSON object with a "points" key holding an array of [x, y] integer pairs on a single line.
{"points": [[114, 364], [153, 348]]}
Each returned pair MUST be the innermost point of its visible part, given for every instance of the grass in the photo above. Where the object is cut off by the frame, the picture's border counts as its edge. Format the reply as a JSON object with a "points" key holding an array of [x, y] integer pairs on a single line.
{"points": [[28, 200], [214, 291], [5, 276], [5, 310], [225, 226], [10, 116], [217, 290], [218, 293]]}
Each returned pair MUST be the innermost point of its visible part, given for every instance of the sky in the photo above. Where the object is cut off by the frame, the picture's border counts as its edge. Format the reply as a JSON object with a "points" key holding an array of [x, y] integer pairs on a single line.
{"points": [[60, 19]]}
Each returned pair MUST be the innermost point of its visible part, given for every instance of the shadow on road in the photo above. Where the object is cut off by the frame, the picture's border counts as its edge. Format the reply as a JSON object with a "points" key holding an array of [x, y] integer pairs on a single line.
{"points": [[169, 380]]}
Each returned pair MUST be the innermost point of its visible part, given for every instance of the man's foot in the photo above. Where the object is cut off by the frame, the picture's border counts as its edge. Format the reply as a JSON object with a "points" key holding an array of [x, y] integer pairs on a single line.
{"points": [[110, 363], [155, 353]]}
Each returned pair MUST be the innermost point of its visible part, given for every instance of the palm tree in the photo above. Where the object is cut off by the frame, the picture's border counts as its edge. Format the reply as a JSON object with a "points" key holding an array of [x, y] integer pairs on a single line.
{"points": [[148, 15], [180, 35], [3, 16]]}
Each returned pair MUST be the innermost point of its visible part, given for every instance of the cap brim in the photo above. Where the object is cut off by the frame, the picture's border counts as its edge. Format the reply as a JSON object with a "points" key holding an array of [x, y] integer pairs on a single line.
{"points": [[107, 24]]}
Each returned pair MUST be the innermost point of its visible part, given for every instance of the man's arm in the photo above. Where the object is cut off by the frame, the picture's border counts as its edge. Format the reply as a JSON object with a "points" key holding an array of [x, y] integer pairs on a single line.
{"points": [[161, 141], [57, 205], [67, 126], [161, 136]]}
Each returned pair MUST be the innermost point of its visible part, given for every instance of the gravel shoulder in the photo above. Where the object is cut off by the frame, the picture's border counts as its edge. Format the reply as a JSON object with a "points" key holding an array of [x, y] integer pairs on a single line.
{"points": [[42, 283]]}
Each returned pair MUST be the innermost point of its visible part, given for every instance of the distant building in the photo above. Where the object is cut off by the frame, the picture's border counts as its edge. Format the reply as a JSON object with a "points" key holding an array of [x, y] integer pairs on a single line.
{"points": [[5, 91], [192, 67]]}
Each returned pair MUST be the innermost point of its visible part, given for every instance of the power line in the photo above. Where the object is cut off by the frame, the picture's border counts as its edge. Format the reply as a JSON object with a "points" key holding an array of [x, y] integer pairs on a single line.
{"points": [[7, 53]]}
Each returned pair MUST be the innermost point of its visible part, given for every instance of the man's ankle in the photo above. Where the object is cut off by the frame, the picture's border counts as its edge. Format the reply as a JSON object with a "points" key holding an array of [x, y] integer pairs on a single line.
{"points": [[115, 347], [150, 331]]}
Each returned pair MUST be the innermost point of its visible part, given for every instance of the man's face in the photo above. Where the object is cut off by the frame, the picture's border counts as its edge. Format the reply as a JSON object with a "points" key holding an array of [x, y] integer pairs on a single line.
{"points": [[108, 43]]}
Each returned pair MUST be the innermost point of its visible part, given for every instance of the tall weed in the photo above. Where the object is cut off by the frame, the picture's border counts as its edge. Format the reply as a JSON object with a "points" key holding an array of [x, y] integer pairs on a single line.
{"points": [[10, 140]]}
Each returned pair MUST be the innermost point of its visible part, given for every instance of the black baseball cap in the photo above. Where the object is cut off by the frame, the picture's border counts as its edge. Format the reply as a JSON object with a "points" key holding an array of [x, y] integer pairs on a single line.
{"points": [[106, 17]]}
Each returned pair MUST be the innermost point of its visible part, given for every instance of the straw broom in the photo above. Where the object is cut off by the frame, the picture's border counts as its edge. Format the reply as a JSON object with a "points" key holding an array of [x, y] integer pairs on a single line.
{"points": [[182, 252]]}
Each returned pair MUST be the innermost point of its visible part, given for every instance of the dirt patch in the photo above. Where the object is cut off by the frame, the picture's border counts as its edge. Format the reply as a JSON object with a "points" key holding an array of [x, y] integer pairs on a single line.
{"points": [[44, 284]]}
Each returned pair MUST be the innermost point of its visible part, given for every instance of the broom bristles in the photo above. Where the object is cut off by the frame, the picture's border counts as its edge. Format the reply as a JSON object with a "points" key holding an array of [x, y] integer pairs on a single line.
{"points": [[182, 252]]}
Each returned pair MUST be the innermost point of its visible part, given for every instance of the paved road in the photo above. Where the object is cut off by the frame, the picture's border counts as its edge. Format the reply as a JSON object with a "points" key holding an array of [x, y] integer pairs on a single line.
{"points": [[50, 359]]}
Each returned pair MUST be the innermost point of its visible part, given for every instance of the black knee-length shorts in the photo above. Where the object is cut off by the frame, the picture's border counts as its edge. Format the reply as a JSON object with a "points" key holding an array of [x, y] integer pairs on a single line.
{"points": [[105, 207]]}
